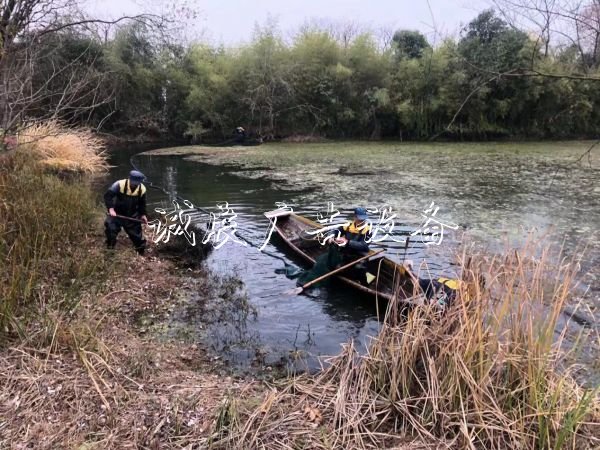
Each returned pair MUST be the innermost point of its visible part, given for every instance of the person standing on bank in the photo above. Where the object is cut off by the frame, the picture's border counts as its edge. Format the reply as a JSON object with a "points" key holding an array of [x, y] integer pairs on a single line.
{"points": [[126, 198]]}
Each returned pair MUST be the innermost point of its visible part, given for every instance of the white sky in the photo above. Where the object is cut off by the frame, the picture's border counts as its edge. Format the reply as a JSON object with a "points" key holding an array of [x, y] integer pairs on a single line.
{"points": [[232, 21]]}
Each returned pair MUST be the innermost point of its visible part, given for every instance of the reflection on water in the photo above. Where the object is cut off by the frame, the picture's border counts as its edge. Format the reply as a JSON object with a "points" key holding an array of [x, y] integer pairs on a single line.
{"points": [[491, 190]]}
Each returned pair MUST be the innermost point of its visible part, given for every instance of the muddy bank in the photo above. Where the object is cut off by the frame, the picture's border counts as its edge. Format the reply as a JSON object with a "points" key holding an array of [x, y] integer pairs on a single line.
{"points": [[108, 373]]}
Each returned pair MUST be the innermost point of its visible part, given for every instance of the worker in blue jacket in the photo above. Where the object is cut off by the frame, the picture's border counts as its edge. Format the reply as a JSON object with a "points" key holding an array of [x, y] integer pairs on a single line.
{"points": [[351, 242], [124, 200]]}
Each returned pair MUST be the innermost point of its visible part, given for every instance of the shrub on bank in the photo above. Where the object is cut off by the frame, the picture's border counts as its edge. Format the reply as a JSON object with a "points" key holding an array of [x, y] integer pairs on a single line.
{"points": [[44, 220]]}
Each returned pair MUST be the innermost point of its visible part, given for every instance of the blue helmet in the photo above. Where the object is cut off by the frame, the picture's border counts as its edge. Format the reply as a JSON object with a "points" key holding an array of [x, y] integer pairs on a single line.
{"points": [[361, 213], [136, 175]]}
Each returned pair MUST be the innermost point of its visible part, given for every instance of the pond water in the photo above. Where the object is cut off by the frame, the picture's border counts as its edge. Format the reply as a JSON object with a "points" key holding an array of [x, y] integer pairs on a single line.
{"points": [[492, 191]]}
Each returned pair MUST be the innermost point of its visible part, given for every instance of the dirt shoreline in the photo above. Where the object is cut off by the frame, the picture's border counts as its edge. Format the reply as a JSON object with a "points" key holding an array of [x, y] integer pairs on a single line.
{"points": [[97, 378]]}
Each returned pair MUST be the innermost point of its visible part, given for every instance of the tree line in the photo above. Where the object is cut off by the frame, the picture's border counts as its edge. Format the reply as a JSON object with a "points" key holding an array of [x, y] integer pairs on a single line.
{"points": [[495, 80]]}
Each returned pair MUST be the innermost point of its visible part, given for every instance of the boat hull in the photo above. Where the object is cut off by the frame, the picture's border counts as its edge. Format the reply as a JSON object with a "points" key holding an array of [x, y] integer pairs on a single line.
{"points": [[392, 280]]}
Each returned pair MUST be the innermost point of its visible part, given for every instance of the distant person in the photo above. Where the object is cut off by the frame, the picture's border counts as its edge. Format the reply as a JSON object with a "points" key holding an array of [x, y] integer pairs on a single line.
{"points": [[239, 135], [126, 199]]}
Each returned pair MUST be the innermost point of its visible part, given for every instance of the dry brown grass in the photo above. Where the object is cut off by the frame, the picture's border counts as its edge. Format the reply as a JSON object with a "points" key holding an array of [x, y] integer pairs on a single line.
{"points": [[488, 374], [63, 149], [141, 396], [43, 219], [88, 378]]}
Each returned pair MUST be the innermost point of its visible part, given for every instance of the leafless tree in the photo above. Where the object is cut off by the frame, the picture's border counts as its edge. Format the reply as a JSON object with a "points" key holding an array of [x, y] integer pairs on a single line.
{"points": [[32, 85], [574, 23], [538, 14], [385, 37], [568, 22], [589, 32]]}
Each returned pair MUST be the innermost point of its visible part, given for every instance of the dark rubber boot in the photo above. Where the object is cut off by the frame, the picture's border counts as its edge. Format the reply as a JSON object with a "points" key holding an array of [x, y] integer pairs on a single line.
{"points": [[111, 231]]}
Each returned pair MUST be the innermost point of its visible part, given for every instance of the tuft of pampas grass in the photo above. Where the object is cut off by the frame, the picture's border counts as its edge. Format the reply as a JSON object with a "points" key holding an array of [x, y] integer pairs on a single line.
{"points": [[63, 149]]}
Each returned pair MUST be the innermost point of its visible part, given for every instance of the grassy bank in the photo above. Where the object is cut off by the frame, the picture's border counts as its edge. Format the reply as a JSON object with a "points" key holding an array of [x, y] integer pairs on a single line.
{"points": [[102, 381], [77, 367], [47, 211]]}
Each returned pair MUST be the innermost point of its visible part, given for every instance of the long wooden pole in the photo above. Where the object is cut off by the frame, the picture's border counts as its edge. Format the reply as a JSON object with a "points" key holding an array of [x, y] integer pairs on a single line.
{"points": [[128, 218], [338, 270], [405, 248]]}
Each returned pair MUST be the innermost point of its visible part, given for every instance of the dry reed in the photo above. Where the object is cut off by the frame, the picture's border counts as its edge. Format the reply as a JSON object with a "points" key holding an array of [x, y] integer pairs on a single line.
{"points": [[488, 373], [63, 149]]}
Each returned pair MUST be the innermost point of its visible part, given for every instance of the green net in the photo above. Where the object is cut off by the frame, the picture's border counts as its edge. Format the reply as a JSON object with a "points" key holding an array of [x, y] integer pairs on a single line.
{"points": [[323, 264]]}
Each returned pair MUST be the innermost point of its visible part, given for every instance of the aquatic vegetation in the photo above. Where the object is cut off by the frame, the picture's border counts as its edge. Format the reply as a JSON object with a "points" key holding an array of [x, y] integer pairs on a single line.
{"points": [[492, 190]]}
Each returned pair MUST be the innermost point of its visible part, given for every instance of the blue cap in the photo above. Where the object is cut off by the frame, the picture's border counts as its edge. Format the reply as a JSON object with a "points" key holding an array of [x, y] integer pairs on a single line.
{"points": [[361, 213], [136, 175]]}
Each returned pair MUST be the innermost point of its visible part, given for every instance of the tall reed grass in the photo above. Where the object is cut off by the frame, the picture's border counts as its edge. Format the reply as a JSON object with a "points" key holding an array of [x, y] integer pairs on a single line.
{"points": [[489, 373], [44, 220]]}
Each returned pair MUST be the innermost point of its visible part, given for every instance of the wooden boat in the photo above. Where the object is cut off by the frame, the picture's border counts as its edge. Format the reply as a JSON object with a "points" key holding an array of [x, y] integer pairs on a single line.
{"points": [[392, 280], [233, 142]]}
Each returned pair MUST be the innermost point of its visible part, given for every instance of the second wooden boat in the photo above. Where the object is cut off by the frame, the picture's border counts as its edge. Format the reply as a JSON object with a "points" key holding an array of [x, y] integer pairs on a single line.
{"points": [[392, 280]]}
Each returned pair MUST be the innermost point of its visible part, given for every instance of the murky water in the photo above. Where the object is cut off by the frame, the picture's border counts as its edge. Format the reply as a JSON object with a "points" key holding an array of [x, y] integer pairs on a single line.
{"points": [[492, 191]]}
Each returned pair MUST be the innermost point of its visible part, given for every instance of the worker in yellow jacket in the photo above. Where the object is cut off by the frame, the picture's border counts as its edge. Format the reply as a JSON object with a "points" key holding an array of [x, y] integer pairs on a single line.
{"points": [[441, 291]]}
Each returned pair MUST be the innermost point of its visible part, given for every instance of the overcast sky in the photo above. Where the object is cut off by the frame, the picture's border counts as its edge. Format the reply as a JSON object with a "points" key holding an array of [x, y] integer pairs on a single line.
{"points": [[232, 21]]}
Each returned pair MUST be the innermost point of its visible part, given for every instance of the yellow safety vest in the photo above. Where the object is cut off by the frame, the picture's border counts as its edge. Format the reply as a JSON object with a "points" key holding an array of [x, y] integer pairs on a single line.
{"points": [[452, 284], [125, 188], [364, 229]]}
